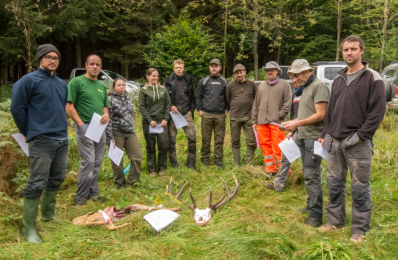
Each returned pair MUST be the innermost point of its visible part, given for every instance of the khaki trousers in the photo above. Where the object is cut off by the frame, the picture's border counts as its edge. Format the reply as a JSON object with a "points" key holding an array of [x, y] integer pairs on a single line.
{"points": [[213, 123], [190, 134]]}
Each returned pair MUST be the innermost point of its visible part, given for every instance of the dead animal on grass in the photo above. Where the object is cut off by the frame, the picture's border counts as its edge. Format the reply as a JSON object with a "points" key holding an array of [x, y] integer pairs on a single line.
{"points": [[203, 216], [109, 215]]}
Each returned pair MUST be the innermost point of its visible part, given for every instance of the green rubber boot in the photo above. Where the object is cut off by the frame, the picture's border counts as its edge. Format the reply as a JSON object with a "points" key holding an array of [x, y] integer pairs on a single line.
{"points": [[48, 205], [30, 208], [249, 155], [236, 153]]}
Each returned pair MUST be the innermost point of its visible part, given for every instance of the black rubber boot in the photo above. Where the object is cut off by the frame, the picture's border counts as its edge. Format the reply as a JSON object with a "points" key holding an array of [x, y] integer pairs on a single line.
{"points": [[249, 155], [30, 208], [236, 154], [48, 205]]}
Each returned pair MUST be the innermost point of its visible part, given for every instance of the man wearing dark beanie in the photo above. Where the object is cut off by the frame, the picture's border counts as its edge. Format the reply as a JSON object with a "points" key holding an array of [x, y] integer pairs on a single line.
{"points": [[38, 107]]}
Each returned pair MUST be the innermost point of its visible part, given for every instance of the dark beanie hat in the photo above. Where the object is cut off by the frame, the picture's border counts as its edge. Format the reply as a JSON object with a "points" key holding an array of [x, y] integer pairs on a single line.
{"points": [[44, 49]]}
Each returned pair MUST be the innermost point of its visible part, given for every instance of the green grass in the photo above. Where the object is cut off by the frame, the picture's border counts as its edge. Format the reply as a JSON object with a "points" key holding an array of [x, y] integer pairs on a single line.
{"points": [[257, 224]]}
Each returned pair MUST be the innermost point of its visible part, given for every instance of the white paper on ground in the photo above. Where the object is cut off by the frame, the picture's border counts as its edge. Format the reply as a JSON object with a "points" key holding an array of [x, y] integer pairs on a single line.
{"points": [[160, 219], [20, 141], [158, 129], [179, 120], [256, 135], [290, 149], [319, 150], [274, 123], [95, 128], [115, 154]]}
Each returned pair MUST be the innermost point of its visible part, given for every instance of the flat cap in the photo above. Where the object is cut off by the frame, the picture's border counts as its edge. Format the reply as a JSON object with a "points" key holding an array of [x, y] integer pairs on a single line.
{"points": [[44, 49], [239, 67], [215, 61]]}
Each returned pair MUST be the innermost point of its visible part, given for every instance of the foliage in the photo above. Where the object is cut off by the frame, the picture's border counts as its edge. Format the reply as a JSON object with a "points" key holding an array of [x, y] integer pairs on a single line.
{"points": [[186, 39]]}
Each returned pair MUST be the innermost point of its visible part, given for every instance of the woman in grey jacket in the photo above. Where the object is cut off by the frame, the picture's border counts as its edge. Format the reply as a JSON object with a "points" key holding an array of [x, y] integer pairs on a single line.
{"points": [[120, 131]]}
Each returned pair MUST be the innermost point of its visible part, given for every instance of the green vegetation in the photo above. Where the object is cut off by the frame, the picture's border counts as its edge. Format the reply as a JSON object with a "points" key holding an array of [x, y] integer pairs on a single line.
{"points": [[257, 224]]}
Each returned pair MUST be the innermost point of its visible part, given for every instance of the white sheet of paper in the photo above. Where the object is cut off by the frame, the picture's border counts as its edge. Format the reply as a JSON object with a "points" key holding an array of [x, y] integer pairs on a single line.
{"points": [[319, 150], [257, 141], [115, 154], [95, 128], [290, 149], [158, 129], [274, 123], [19, 138], [179, 120], [160, 219]]}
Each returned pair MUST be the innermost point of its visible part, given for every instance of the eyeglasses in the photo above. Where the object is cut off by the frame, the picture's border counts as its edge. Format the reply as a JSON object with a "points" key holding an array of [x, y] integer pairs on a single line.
{"points": [[294, 76], [49, 58]]}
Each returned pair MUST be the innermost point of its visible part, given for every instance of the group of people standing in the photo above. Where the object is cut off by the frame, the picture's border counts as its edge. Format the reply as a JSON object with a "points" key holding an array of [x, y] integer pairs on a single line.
{"points": [[344, 122]]}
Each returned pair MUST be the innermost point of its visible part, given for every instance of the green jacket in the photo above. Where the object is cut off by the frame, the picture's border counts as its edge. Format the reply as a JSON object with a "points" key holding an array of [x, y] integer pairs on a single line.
{"points": [[154, 102]]}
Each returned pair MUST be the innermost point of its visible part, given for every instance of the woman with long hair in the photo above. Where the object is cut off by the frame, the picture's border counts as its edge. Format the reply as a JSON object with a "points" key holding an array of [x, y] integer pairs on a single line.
{"points": [[120, 131], [154, 103]]}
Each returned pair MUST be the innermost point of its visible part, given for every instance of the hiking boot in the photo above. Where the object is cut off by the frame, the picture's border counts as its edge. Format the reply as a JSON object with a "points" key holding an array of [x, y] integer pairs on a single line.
{"points": [[174, 165], [328, 227], [272, 186], [97, 199], [161, 173], [30, 209], [152, 174], [220, 165], [190, 165], [313, 222], [48, 205], [357, 238]]}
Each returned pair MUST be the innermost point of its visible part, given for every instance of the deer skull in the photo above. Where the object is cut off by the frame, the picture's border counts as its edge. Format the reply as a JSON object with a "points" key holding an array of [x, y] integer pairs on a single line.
{"points": [[203, 216]]}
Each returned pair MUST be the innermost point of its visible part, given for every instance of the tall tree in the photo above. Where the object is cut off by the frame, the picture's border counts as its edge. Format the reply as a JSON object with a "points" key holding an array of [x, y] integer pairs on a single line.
{"points": [[339, 9]]}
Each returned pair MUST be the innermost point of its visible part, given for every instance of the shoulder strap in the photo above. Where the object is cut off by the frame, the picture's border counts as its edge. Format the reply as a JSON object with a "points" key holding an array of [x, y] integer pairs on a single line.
{"points": [[206, 80]]}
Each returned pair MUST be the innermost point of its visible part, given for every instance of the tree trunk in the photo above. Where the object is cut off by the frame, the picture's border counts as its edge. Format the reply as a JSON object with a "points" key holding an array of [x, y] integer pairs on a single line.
{"points": [[225, 40], [78, 53], [339, 8], [3, 73], [384, 38], [255, 39], [126, 66]]}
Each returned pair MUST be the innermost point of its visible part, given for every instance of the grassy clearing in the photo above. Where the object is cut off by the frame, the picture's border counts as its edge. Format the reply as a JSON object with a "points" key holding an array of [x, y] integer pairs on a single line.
{"points": [[257, 224]]}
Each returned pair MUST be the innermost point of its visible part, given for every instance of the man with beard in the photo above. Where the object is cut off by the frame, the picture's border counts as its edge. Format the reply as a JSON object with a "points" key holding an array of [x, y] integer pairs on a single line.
{"points": [[309, 122], [181, 88], [88, 96], [356, 109], [240, 96], [212, 106], [38, 107], [271, 106]]}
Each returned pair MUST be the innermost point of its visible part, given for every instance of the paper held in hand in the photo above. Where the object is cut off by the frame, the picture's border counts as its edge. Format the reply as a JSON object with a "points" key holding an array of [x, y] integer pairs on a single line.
{"points": [[115, 154], [159, 219], [179, 120], [158, 129], [20, 141], [319, 150], [95, 128], [257, 141], [290, 149]]}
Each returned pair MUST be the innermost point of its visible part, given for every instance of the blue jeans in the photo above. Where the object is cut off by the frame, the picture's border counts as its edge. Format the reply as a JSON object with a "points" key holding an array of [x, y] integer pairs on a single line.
{"points": [[47, 167]]}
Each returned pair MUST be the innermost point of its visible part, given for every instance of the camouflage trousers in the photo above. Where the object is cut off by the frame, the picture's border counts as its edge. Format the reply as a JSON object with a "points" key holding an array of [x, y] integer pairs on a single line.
{"points": [[190, 134]]}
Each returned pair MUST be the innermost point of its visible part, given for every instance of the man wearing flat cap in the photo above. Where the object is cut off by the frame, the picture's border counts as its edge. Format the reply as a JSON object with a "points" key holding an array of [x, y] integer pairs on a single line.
{"points": [[38, 107], [240, 97], [309, 124], [271, 106], [213, 108]]}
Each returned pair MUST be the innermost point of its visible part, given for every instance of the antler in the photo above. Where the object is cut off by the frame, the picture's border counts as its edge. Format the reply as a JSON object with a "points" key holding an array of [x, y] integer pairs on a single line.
{"points": [[220, 203], [168, 190]]}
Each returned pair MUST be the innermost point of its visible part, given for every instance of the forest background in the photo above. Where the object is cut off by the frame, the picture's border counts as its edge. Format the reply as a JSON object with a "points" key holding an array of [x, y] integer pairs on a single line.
{"points": [[132, 35]]}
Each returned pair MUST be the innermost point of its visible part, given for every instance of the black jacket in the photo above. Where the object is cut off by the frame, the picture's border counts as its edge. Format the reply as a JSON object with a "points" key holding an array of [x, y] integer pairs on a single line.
{"points": [[211, 95], [189, 79], [358, 107]]}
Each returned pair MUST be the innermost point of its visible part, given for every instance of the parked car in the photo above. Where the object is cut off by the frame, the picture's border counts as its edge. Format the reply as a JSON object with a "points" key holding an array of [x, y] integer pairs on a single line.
{"points": [[107, 77], [390, 75]]}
